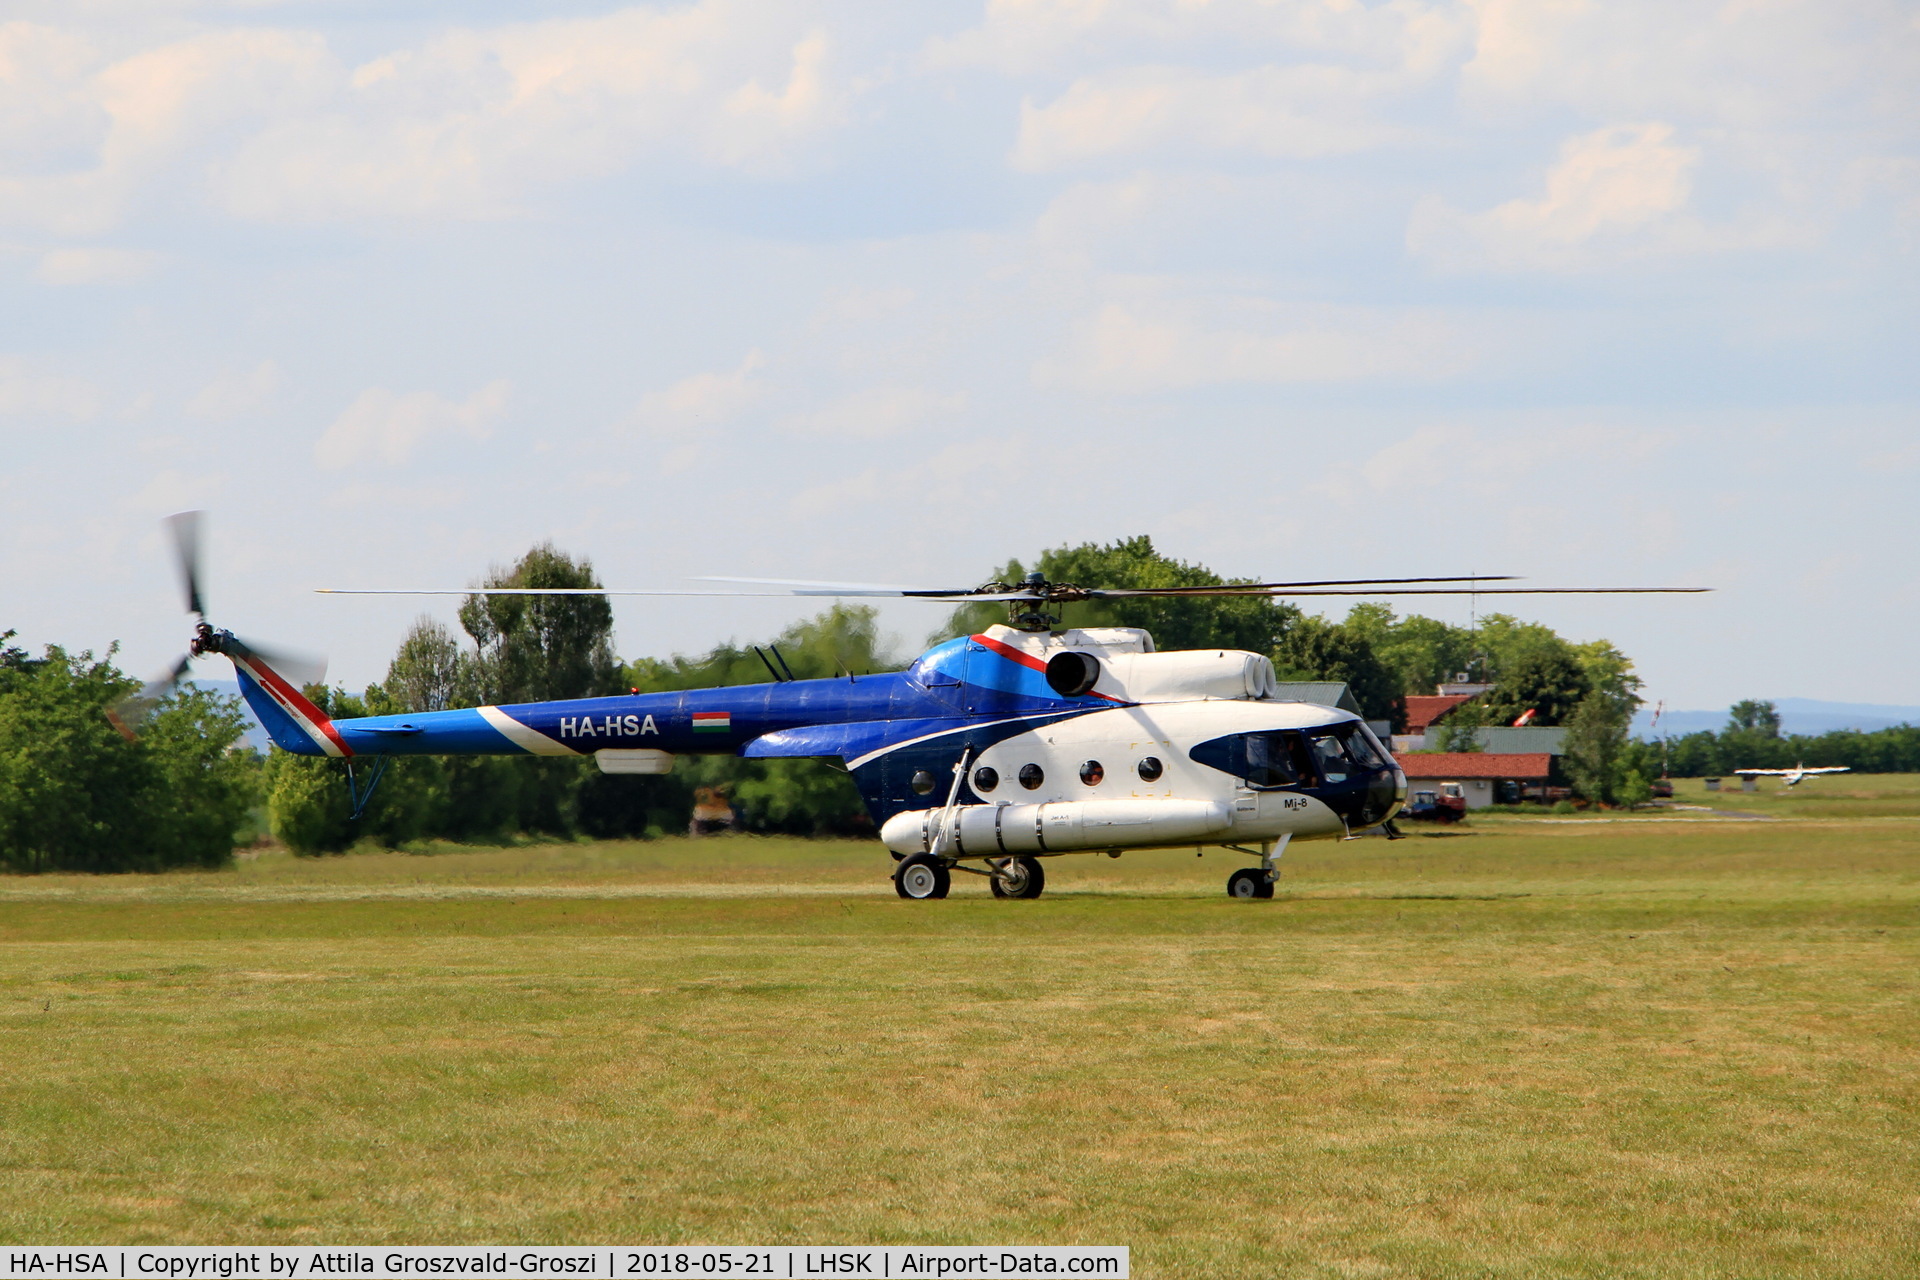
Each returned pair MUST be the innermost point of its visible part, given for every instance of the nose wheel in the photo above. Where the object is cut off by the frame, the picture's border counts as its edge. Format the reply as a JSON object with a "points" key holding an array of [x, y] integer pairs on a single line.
{"points": [[1249, 882]]}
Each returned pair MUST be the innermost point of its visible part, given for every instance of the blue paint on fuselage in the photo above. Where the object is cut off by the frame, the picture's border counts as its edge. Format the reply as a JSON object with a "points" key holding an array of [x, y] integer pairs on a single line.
{"points": [[955, 684], [957, 695]]}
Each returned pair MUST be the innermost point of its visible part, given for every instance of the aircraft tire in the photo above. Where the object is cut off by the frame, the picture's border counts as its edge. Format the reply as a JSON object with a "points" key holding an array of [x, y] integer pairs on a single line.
{"points": [[922, 876], [1249, 882], [1025, 878]]}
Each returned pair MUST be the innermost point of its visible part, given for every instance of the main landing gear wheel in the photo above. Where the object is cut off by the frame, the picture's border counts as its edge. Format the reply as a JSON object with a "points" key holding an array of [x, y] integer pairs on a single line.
{"points": [[1249, 882], [1021, 877], [922, 876]]}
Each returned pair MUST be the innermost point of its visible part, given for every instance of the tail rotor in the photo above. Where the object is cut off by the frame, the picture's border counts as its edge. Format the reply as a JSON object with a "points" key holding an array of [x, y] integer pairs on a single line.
{"points": [[130, 713]]}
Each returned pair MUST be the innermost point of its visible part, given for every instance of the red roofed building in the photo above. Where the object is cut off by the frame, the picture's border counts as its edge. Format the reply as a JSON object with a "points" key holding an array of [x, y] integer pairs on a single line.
{"points": [[1484, 777], [1425, 710]]}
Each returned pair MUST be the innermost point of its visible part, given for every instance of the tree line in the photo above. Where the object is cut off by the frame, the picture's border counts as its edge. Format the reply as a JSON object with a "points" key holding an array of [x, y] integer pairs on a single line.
{"points": [[1752, 739]]}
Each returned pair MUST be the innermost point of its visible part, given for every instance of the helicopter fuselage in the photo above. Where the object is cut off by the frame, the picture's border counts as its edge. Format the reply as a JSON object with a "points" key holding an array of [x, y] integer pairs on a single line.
{"points": [[996, 745]]}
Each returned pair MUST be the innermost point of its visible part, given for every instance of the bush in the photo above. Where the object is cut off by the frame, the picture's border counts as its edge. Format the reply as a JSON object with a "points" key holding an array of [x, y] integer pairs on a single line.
{"points": [[75, 795]]}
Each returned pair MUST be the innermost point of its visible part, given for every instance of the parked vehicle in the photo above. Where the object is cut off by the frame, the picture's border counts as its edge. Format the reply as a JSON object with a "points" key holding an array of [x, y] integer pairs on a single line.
{"points": [[1447, 804]]}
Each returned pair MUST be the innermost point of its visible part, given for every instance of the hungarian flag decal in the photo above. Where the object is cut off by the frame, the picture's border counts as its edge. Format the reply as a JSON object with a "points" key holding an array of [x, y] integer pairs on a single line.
{"points": [[712, 721]]}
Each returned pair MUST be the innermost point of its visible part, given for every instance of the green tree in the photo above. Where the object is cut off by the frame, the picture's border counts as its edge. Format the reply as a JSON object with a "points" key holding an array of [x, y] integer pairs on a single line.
{"points": [[208, 780], [1315, 649], [1421, 652], [75, 795], [1608, 671], [1761, 719], [1544, 678], [538, 648], [1634, 789], [1460, 730], [431, 672], [1254, 623], [1595, 743]]}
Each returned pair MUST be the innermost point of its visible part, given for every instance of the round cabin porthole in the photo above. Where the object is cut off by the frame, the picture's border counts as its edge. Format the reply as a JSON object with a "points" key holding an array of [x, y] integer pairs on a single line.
{"points": [[1150, 769], [985, 778], [922, 782], [1031, 776], [1091, 773]]}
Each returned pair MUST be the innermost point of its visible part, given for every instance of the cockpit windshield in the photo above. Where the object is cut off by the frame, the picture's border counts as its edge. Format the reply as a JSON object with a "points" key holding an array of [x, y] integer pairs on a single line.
{"points": [[1325, 756]]}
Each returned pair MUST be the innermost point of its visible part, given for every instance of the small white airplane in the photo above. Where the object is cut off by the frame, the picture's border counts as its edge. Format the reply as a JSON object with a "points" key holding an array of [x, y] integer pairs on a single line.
{"points": [[1793, 777]]}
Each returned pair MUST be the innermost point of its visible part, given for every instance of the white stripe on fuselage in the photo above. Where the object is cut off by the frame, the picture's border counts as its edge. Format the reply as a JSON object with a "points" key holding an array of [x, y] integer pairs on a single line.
{"points": [[522, 736], [1047, 716]]}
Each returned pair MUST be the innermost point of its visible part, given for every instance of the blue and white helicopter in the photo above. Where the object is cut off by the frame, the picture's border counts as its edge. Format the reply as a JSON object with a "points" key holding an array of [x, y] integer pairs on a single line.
{"points": [[989, 753]]}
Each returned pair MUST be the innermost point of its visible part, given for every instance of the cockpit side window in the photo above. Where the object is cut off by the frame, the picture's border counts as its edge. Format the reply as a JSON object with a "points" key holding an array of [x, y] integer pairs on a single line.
{"points": [[1280, 758], [1331, 754], [1362, 745]]}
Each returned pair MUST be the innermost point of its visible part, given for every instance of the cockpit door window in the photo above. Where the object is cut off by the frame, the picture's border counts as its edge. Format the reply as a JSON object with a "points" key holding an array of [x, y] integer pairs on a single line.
{"points": [[1331, 755], [1280, 758]]}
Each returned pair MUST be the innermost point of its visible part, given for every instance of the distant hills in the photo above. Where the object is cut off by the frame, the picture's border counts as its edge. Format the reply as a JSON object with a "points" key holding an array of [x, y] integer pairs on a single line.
{"points": [[1797, 715]]}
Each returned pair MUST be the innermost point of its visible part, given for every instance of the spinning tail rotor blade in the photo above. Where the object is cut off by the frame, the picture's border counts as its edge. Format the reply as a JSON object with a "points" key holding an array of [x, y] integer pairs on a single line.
{"points": [[297, 669], [128, 714], [186, 545]]}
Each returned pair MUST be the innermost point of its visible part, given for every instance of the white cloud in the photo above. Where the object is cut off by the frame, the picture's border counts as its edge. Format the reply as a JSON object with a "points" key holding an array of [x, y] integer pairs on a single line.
{"points": [[1608, 189], [29, 390], [381, 426], [944, 483], [876, 413], [96, 265], [1296, 111], [236, 392], [169, 489], [692, 413], [272, 124], [1756, 63], [1135, 347], [703, 400], [146, 112], [469, 123], [1024, 36]]}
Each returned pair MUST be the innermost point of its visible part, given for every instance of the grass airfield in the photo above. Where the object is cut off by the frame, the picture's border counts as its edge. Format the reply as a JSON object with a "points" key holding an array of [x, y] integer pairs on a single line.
{"points": [[1679, 1043]]}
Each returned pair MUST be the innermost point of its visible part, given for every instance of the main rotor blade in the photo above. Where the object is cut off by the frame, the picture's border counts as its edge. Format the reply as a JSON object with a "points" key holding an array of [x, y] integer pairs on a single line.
{"points": [[1468, 591], [1275, 588], [186, 545], [963, 597], [971, 597], [810, 587]]}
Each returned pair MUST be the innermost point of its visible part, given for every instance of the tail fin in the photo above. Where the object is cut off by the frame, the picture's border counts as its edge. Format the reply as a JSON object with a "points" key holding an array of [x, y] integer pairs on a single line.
{"points": [[290, 717]]}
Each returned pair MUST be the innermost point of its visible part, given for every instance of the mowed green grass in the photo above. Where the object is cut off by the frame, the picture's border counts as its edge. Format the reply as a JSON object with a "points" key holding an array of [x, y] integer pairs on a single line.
{"points": [[1668, 1045]]}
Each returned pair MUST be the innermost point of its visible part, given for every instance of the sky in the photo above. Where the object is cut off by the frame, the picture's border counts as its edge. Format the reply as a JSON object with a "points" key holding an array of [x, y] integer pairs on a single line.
{"points": [[1615, 293]]}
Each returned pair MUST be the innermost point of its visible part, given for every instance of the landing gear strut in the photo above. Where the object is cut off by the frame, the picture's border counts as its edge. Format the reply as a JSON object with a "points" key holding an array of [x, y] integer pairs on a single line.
{"points": [[1021, 877]]}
